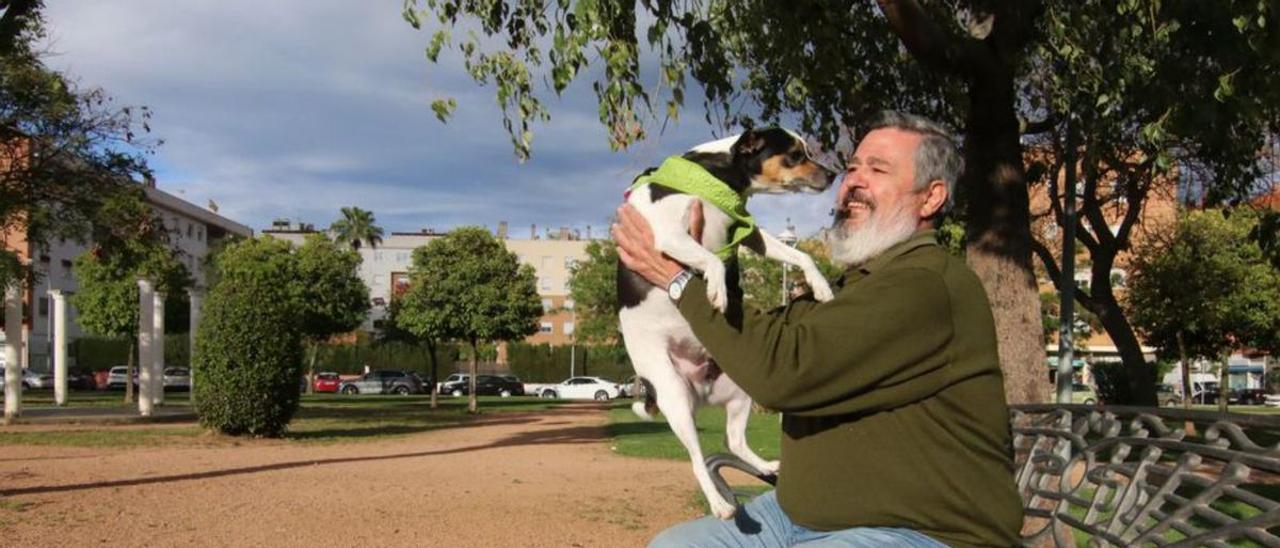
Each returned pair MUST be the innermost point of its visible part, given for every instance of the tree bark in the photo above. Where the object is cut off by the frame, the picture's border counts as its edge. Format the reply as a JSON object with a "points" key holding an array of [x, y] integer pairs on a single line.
{"points": [[1141, 375], [999, 224], [128, 375], [435, 370], [471, 381], [1224, 374], [1189, 426], [312, 350], [999, 229]]}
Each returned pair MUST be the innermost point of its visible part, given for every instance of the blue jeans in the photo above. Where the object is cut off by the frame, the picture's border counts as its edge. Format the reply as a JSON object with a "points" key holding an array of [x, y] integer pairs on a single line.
{"points": [[762, 523]]}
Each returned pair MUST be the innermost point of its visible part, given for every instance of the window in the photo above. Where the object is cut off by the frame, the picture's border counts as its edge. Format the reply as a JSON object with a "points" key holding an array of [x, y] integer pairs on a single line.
{"points": [[67, 267], [44, 307], [568, 328], [570, 262], [200, 234], [568, 304], [379, 279], [546, 262], [546, 305], [377, 255], [190, 229], [545, 327], [545, 283]]}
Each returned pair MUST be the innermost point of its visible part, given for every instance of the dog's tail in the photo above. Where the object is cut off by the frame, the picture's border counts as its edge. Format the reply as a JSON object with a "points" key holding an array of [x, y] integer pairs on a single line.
{"points": [[647, 407]]}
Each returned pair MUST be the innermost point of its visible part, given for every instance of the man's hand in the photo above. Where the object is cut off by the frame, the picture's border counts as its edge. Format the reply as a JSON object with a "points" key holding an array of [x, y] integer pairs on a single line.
{"points": [[634, 237]]}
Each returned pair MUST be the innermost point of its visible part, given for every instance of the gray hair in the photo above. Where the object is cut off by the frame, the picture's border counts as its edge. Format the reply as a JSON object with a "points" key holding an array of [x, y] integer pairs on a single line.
{"points": [[937, 158]]}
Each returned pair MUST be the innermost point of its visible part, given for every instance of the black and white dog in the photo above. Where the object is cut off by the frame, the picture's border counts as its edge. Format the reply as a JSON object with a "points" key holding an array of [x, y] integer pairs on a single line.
{"points": [[679, 373]]}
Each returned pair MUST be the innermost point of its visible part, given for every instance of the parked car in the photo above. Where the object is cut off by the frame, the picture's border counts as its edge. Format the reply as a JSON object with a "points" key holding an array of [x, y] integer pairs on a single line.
{"points": [[1247, 396], [491, 385], [327, 381], [116, 377], [32, 379], [388, 381], [630, 389], [453, 381], [1083, 393], [1168, 395], [177, 378], [580, 388], [78, 379]]}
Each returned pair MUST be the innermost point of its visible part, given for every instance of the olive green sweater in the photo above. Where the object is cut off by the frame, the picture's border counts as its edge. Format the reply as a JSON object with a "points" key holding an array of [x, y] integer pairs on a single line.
{"points": [[893, 400]]}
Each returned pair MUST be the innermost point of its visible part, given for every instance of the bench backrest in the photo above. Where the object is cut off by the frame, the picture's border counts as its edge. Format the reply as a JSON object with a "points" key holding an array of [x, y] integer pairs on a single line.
{"points": [[1126, 476]]}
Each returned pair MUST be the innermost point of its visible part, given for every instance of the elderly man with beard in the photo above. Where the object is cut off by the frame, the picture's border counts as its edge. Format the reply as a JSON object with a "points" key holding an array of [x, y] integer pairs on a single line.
{"points": [[895, 427]]}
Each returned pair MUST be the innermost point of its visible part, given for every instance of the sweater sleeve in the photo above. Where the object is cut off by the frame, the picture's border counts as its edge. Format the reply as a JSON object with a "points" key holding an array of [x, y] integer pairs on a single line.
{"points": [[881, 343]]}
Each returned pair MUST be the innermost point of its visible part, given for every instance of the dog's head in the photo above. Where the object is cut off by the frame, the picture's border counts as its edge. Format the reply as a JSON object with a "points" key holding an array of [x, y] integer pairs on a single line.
{"points": [[776, 160]]}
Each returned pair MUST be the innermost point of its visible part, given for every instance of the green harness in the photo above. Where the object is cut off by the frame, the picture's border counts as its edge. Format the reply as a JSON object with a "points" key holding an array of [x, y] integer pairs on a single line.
{"points": [[688, 177]]}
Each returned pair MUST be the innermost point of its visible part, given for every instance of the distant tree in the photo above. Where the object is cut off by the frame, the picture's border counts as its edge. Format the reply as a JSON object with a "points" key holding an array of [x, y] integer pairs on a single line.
{"points": [[1205, 291], [248, 354], [593, 286], [335, 299], [1145, 96], [64, 151], [1000, 71], [761, 278], [412, 314], [356, 227], [136, 246], [466, 286]]}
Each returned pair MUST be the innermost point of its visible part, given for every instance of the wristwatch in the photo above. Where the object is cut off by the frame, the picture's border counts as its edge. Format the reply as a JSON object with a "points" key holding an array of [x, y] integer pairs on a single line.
{"points": [[675, 287]]}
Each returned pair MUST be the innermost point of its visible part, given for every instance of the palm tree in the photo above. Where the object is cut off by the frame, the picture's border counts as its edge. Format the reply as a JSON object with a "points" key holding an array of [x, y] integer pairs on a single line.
{"points": [[356, 227]]}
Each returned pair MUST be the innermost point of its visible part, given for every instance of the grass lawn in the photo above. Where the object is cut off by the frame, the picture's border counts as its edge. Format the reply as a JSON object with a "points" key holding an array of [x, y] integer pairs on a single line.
{"points": [[37, 397], [637, 438], [321, 418]]}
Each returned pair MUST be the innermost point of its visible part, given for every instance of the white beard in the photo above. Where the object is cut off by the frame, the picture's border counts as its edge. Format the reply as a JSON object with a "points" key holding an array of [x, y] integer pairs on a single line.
{"points": [[856, 246]]}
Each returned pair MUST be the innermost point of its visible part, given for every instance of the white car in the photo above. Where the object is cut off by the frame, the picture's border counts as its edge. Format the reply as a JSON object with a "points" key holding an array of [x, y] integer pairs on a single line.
{"points": [[582, 388], [177, 378]]}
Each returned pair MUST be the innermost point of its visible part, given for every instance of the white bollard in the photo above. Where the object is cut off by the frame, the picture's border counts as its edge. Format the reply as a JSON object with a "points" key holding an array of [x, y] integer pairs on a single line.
{"points": [[12, 350], [157, 349], [59, 347], [146, 304]]}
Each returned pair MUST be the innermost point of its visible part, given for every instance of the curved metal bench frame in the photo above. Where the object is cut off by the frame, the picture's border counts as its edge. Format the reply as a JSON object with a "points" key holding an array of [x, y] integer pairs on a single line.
{"points": [[1126, 476]]}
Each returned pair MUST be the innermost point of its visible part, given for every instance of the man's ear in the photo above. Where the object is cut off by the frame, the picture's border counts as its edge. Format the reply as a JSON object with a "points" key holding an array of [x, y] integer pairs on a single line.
{"points": [[748, 144], [935, 198]]}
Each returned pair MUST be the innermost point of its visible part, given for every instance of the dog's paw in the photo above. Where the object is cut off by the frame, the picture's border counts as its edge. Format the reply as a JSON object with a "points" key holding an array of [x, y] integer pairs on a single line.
{"points": [[770, 468], [721, 508], [717, 289], [821, 289]]}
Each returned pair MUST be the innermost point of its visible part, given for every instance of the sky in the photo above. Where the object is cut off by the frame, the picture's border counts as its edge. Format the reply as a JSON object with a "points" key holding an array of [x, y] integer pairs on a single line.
{"points": [[296, 108]]}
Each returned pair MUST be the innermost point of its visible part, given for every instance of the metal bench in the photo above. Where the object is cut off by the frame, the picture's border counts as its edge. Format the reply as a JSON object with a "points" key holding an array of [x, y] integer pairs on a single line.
{"points": [[1133, 476]]}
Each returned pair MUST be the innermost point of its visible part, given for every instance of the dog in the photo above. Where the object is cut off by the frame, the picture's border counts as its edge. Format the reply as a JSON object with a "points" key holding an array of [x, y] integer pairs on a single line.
{"points": [[678, 373]]}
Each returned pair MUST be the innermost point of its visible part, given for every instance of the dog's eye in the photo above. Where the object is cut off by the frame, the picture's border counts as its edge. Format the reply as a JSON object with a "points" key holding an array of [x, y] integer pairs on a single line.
{"points": [[796, 157]]}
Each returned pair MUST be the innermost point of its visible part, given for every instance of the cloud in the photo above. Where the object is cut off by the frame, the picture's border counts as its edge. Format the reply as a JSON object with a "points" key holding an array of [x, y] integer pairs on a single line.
{"points": [[295, 108]]}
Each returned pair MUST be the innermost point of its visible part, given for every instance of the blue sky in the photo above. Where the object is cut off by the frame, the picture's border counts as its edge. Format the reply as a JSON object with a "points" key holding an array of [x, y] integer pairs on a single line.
{"points": [[295, 108]]}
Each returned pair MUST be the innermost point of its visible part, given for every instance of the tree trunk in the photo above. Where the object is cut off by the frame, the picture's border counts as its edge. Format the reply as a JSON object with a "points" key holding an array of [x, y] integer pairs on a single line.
{"points": [[471, 381], [435, 370], [1223, 376], [999, 228], [1141, 375], [1189, 426], [128, 375], [312, 350]]}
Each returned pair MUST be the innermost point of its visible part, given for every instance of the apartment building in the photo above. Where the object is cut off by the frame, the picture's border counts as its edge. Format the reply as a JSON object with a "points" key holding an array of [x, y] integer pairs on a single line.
{"points": [[193, 230], [386, 267]]}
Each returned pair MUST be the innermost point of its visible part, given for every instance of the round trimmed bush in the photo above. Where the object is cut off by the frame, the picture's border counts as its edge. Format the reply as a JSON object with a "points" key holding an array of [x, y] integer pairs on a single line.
{"points": [[248, 355]]}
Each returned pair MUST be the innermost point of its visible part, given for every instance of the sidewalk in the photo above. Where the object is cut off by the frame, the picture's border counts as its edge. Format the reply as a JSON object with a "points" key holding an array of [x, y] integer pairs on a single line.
{"points": [[103, 415]]}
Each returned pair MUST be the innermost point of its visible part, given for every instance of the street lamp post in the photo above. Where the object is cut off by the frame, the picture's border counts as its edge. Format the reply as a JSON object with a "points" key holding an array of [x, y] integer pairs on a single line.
{"points": [[788, 237]]}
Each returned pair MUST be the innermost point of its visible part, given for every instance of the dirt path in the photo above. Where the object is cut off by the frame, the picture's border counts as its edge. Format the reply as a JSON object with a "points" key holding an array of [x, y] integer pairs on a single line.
{"points": [[543, 479]]}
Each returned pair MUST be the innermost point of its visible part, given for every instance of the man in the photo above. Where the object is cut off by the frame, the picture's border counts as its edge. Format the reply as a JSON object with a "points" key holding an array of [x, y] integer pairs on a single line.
{"points": [[895, 427]]}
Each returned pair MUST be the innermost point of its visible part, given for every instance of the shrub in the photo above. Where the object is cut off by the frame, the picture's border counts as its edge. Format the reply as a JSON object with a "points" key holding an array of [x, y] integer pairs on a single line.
{"points": [[248, 355]]}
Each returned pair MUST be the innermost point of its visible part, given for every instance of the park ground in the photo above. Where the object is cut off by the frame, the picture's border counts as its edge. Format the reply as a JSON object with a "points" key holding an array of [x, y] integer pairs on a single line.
{"points": [[377, 471]]}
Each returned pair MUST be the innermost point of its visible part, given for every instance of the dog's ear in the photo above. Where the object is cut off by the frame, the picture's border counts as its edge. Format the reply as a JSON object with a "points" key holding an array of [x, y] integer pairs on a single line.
{"points": [[748, 144]]}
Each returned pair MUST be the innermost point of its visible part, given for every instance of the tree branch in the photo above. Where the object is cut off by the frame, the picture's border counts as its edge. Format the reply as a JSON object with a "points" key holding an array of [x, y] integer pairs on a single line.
{"points": [[926, 41], [17, 18]]}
